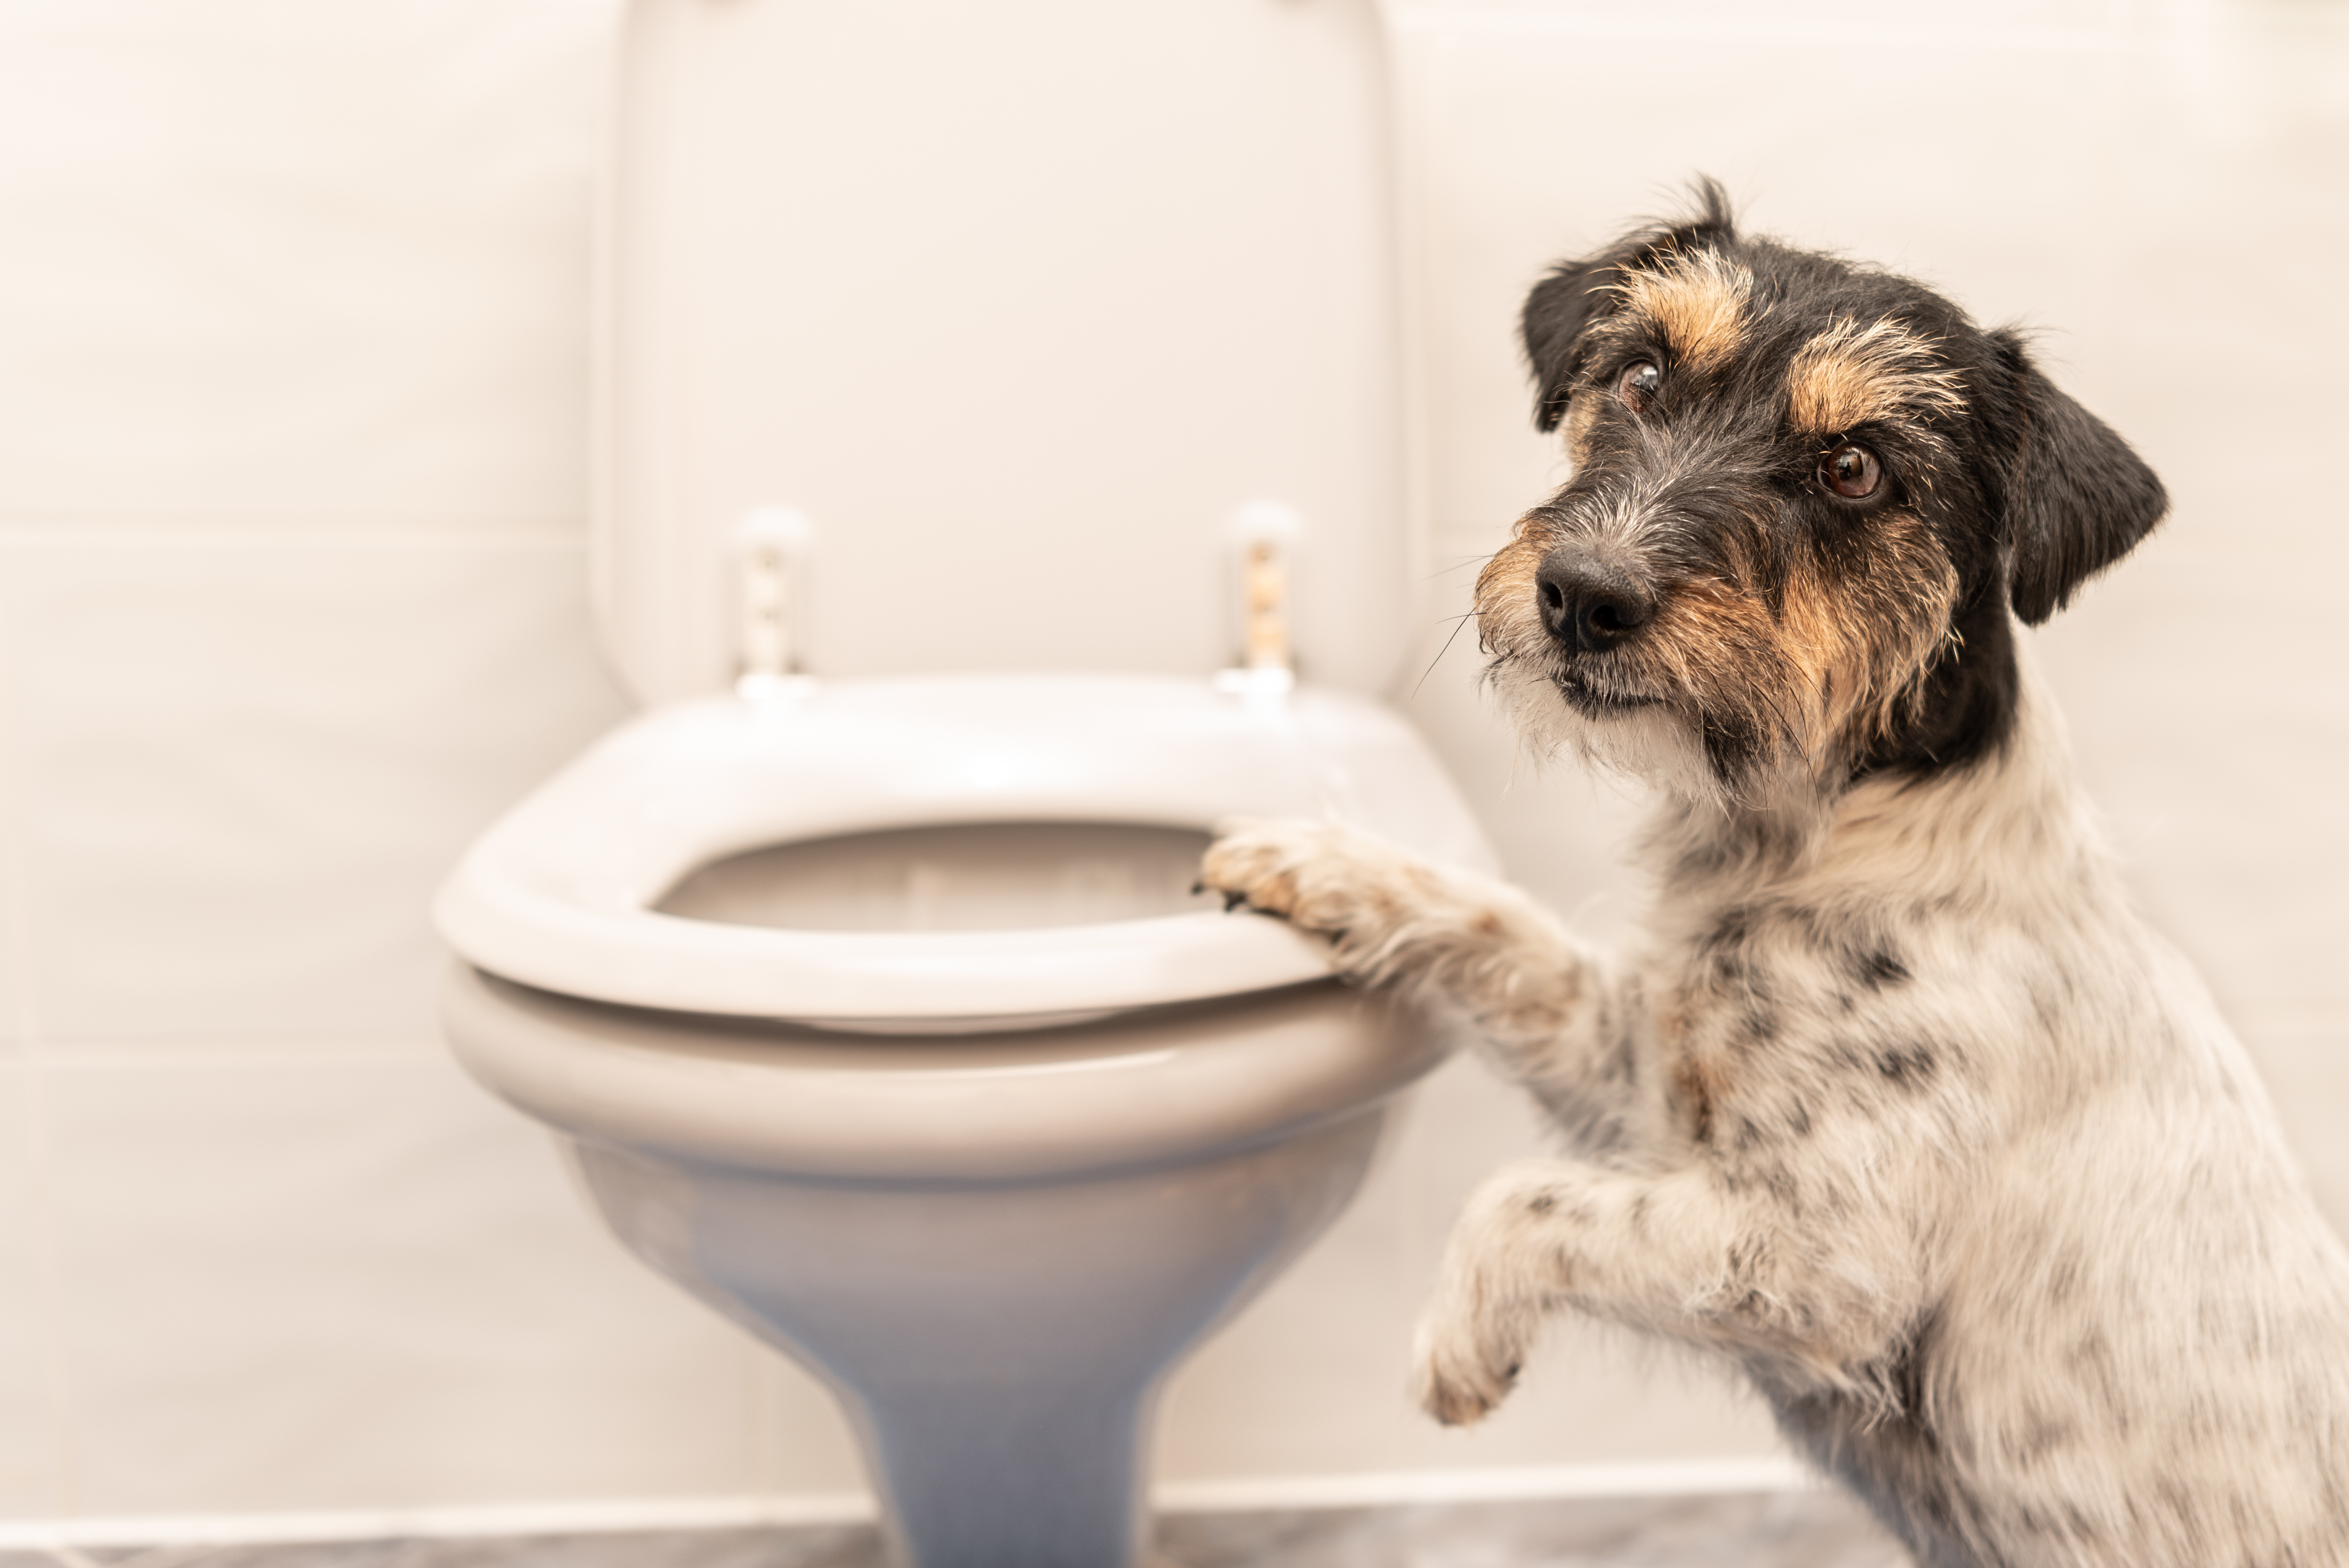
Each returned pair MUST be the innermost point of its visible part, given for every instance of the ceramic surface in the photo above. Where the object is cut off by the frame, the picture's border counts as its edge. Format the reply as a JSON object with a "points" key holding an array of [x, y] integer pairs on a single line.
{"points": [[1020, 306], [1155, 1085], [997, 1346], [561, 894]]}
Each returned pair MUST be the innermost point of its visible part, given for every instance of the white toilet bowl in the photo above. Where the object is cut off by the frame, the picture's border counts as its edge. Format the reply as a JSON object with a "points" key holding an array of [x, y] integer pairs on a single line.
{"points": [[878, 1011], [989, 1184]]}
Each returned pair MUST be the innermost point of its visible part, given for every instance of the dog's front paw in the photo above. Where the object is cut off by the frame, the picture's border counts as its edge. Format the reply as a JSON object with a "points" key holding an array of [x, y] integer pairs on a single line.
{"points": [[1320, 876], [1254, 865]]}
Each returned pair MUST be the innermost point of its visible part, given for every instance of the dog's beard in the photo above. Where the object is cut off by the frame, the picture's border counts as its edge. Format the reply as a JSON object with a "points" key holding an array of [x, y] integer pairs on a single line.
{"points": [[1657, 742]]}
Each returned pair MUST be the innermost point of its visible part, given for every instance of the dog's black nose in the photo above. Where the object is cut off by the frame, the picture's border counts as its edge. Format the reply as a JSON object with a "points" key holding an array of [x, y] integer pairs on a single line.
{"points": [[1587, 603]]}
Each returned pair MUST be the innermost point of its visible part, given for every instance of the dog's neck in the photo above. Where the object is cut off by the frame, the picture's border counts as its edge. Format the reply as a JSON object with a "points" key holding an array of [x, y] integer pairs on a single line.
{"points": [[2005, 821], [1964, 703]]}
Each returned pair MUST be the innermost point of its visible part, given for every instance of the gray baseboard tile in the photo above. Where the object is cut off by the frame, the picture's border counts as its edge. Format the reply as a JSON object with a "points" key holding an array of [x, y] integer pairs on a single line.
{"points": [[1774, 1529]]}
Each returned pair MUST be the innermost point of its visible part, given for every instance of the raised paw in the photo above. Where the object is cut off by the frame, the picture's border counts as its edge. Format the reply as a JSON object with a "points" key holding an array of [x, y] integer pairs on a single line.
{"points": [[1321, 876], [1257, 865]]}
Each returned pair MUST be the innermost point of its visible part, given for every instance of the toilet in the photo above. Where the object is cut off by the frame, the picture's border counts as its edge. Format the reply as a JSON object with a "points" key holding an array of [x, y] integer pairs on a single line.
{"points": [[1002, 480]]}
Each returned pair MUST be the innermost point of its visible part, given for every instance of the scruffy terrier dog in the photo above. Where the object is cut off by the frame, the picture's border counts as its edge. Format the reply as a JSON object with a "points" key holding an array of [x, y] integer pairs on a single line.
{"points": [[1897, 1106]]}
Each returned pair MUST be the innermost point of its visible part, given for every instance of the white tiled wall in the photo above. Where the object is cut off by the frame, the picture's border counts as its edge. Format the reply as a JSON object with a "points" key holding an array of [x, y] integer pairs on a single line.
{"points": [[292, 599], [324, 1275]]}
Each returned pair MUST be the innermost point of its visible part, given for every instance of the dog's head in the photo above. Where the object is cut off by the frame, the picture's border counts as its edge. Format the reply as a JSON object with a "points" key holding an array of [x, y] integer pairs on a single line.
{"points": [[1805, 497]]}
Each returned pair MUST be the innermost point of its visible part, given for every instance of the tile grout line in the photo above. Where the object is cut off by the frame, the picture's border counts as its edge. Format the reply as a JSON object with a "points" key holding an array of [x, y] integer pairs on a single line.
{"points": [[176, 1052], [1419, 21], [377, 536]]}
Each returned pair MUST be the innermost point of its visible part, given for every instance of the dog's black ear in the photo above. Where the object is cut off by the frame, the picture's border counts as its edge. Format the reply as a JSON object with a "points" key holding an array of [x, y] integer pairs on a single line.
{"points": [[1563, 305], [2078, 498]]}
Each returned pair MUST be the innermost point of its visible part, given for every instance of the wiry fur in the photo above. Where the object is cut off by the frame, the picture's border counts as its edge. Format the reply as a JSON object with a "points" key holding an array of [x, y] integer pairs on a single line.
{"points": [[1897, 1106]]}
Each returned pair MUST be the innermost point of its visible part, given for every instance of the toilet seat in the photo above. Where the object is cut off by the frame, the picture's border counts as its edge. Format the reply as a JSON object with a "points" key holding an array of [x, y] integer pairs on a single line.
{"points": [[559, 895]]}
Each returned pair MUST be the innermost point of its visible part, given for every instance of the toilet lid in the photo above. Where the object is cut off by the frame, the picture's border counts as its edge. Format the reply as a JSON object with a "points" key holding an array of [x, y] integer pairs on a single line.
{"points": [[1020, 304], [560, 893]]}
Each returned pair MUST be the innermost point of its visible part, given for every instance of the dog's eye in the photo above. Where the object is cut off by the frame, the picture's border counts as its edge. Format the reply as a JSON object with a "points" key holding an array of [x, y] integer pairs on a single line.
{"points": [[1637, 384], [1851, 471]]}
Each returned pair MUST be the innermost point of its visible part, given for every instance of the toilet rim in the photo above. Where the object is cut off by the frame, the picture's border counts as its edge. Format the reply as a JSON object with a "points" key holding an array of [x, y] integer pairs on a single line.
{"points": [[558, 895], [1158, 1087]]}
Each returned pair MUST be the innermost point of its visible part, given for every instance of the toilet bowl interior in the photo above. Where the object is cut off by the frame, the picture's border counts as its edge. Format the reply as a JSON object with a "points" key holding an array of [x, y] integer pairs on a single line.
{"points": [[952, 876]]}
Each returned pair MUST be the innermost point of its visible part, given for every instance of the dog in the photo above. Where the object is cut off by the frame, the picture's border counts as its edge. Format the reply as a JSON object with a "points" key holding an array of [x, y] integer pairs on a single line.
{"points": [[1895, 1105]]}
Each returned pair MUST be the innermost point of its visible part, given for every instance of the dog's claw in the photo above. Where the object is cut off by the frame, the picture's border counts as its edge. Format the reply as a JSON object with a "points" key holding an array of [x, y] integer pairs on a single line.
{"points": [[1233, 900]]}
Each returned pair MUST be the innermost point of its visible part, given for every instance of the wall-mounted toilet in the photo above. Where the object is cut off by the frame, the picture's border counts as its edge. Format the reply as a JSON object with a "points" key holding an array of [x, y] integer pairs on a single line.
{"points": [[873, 1003]]}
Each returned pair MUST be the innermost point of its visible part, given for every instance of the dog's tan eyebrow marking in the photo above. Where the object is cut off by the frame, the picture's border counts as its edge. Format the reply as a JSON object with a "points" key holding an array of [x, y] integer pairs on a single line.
{"points": [[1697, 299], [1850, 374], [1580, 415]]}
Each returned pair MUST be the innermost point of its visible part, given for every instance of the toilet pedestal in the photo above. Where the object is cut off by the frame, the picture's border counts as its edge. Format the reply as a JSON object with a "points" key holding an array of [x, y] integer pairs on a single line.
{"points": [[999, 1349]]}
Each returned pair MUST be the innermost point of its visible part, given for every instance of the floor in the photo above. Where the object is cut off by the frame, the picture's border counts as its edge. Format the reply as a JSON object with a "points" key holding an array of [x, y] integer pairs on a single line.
{"points": [[1789, 1529]]}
